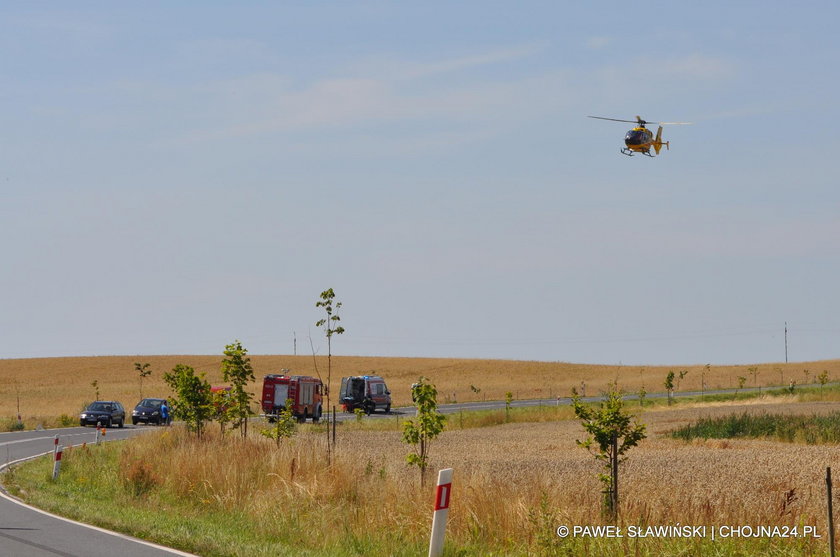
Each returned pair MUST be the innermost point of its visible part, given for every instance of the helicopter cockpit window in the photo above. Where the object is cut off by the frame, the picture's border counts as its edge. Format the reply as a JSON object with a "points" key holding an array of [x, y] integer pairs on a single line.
{"points": [[634, 137]]}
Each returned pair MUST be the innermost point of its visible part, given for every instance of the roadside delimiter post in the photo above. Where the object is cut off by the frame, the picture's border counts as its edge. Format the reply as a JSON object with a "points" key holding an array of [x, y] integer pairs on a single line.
{"points": [[57, 462], [444, 490]]}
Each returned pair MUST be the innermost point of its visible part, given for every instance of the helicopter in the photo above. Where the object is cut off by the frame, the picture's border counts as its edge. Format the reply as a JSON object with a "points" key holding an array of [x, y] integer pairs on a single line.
{"points": [[640, 139]]}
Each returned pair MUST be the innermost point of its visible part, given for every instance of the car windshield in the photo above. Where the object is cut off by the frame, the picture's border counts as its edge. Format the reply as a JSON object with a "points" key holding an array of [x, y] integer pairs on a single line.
{"points": [[101, 406], [150, 403]]}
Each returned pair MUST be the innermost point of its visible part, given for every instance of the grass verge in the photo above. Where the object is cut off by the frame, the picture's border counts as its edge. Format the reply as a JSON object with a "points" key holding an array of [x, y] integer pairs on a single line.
{"points": [[813, 429]]}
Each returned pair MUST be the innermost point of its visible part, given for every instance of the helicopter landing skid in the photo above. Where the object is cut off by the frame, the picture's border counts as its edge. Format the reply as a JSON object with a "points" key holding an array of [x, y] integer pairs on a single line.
{"points": [[629, 152]]}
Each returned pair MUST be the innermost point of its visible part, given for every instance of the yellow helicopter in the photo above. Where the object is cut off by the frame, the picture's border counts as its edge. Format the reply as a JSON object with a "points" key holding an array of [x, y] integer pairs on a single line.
{"points": [[640, 139]]}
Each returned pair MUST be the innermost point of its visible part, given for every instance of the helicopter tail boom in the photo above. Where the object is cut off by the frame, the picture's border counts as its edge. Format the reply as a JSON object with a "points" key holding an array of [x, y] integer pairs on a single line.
{"points": [[658, 143]]}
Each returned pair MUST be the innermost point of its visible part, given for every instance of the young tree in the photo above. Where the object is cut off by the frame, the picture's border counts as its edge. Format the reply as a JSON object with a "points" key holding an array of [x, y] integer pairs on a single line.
{"points": [[611, 432], [223, 411], [683, 373], [669, 386], [331, 327], [429, 424], [284, 427], [236, 368], [193, 401], [742, 380], [823, 378], [95, 386], [144, 370]]}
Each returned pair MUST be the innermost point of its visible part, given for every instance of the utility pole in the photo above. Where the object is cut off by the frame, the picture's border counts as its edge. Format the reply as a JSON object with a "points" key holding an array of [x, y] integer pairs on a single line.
{"points": [[786, 355], [294, 336]]}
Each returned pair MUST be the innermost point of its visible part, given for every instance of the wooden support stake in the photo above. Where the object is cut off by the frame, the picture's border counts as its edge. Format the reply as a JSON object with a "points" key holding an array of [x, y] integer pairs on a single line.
{"points": [[830, 511]]}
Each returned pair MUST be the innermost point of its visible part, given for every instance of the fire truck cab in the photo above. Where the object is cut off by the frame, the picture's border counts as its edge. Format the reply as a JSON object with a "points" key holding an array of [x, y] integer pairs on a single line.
{"points": [[368, 392], [304, 392]]}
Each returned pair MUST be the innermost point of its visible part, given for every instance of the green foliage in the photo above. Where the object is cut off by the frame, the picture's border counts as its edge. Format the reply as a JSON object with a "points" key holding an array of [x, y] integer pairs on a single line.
{"points": [[811, 429], [754, 372], [237, 369], [427, 425], [331, 326], [284, 426], [95, 385], [67, 421], [823, 378], [144, 370], [669, 386], [223, 410], [611, 432], [193, 401], [742, 380], [330, 322], [508, 401]]}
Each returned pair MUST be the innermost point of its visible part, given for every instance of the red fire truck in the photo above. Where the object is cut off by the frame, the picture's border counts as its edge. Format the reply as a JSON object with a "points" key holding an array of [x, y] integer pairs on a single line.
{"points": [[303, 390]]}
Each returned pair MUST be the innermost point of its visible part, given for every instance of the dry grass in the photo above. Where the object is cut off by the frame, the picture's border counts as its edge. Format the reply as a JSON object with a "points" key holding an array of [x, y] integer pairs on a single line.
{"points": [[49, 387], [513, 483]]}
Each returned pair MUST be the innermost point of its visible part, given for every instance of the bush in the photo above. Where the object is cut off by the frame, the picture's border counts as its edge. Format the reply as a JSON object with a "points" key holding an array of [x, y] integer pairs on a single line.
{"points": [[138, 477], [67, 421]]}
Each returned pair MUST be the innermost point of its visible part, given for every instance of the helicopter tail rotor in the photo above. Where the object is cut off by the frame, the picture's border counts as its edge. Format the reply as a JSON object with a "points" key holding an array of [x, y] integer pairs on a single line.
{"points": [[658, 143]]}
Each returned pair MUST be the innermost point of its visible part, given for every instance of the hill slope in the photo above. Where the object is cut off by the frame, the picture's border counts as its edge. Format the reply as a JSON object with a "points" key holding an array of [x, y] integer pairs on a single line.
{"points": [[49, 387]]}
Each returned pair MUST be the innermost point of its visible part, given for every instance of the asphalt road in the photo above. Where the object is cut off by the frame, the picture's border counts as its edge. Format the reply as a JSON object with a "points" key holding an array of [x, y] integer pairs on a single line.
{"points": [[29, 532], [453, 408]]}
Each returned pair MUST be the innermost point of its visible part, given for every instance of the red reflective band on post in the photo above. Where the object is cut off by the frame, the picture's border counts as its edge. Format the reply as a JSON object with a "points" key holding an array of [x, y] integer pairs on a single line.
{"points": [[58, 456], [442, 497]]}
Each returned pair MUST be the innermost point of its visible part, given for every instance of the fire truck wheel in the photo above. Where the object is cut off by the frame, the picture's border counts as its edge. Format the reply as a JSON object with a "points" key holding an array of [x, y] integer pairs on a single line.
{"points": [[388, 409], [317, 417]]}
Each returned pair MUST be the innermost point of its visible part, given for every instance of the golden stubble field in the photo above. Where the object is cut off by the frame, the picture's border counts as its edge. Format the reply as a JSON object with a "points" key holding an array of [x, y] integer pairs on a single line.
{"points": [[49, 387], [502, 473], [513, 483]]}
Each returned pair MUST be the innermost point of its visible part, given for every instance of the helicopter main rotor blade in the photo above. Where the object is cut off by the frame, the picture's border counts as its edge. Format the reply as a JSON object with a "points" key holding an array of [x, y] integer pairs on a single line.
{"points": [[671, 123], [612, 119]]}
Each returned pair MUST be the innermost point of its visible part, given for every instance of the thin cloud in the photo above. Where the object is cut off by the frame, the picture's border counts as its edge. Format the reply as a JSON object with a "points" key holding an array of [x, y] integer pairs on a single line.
{"points": [[497, 56], [698, 66], [597, 43]]}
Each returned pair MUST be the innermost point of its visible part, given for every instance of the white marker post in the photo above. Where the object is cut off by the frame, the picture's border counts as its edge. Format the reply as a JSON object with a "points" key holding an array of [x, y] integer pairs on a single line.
{"points": [[55, 446], [444, 489], [57, 463]]}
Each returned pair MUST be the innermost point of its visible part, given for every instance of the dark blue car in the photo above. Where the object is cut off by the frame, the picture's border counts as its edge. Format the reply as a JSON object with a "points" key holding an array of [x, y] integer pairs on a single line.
{"points": [[104, 413]]}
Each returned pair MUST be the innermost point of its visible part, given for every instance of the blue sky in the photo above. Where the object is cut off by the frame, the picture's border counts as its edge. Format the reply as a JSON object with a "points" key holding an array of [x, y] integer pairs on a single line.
{"points": [[177, 175]]}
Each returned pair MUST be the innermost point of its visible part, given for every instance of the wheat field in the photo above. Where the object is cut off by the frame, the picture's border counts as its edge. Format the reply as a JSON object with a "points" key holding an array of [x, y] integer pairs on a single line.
{"points": [[49, 387], [513, 484]]}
